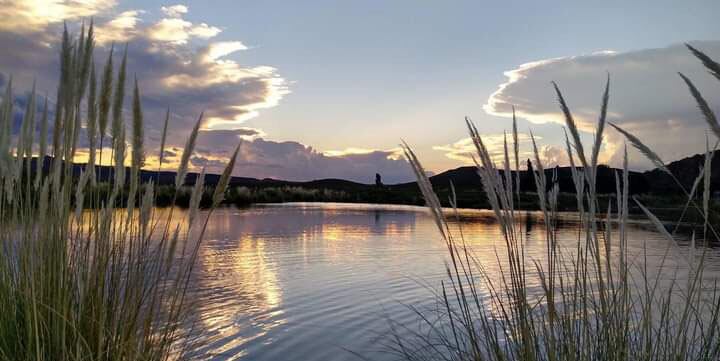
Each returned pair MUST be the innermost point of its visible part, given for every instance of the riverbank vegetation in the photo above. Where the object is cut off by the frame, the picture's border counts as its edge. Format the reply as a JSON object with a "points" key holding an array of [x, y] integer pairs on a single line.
{"points": [[79, 278], [586, 298]]}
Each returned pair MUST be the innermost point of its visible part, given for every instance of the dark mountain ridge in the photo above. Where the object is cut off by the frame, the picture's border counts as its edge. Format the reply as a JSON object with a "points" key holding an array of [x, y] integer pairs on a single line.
{"points": [[654, 181]]}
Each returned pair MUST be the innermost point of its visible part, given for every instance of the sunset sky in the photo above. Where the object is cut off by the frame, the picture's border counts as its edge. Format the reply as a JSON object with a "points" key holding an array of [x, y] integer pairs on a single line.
{"points": [[319, 89]]}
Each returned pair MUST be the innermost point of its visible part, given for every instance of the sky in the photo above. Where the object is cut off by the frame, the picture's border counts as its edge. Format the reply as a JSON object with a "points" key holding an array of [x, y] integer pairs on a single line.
{"points": [[328, 89]]}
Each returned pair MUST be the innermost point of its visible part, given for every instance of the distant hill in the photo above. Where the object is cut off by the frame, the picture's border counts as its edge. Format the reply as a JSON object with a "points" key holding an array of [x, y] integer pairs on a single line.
{"points": [[686, 170], [168, 178], [468, 177], [463, 178]]}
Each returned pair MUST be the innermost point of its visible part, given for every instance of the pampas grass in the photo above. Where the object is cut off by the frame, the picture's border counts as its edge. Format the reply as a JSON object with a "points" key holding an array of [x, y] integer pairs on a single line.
{"points": [[163, 138], [595, 301], [187, 152], [708, 114], [711, 65], [89, 283]]}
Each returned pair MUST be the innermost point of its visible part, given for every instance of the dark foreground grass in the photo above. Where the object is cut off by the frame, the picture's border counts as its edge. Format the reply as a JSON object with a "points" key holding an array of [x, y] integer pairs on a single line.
{"points": [[79, 278]]}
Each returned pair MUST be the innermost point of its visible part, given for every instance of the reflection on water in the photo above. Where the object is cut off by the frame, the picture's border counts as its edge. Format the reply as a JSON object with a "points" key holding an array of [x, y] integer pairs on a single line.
{"points": [[311, 281]]}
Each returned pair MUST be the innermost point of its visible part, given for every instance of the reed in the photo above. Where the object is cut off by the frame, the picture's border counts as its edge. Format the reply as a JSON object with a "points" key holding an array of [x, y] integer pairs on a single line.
{"points": [[595, 300], [79, 279]]}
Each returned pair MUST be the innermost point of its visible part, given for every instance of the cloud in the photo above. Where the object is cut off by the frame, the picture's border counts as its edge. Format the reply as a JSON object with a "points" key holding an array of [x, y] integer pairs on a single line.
{"points": [[179, 31], [646, 96], [291, 160], [29, 16], [395, 153], [122, 28], [464, 149], [179, 66], [174, 10], [183, 71]]}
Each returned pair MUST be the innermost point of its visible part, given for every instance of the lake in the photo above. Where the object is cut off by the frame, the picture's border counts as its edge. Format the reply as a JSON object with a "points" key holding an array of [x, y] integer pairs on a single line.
{"points": [[320, 281]]}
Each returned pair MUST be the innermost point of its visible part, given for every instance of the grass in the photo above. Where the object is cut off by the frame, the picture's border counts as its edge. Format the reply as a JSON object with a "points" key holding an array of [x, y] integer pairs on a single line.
{"points": [[79, 278], [585, 299]]}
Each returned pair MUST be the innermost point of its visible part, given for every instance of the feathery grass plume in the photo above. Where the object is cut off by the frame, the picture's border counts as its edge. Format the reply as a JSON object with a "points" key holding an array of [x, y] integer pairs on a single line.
{"points": [[80, 195], [24, 138], [655, 221], [708, 113], [79, 280], [516, 152], [624, 215], [570, 122], [29, 140], [539, 176], [487, 170], [712, 66], [163, 137], [137, 158], [65, 68], [31, 126], [57, 123], [91, 126], [138, 150], [76, 126], [28, 125], [105, 96], [6, 110], [691, 196], [222, 184], [645, 150], [431, 199], [577, 176], [86, 60], [601, 126], [56, 136], [187, 152], [146, 205], [42, 149], [507, 172], [588, 305], [196, 196], [118, 98], [119, 155]]}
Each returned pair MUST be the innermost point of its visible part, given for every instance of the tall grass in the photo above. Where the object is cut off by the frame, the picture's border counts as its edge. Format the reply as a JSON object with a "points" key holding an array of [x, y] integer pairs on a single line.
{"points": [[595, 300], [94, 283]]}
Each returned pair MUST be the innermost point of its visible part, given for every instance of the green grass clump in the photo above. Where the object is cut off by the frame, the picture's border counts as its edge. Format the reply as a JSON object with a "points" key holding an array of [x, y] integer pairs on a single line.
{"points": [[584, 299], [79, 278]]}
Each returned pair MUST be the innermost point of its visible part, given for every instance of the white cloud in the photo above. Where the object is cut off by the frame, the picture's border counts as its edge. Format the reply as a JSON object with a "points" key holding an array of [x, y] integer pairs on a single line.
{"points": [[291, 160], [464, 149], [25, 16], [646, 95], [189, 78], [393, 154], [179, 31], [218, 50], [120, 29], [178, 68], [174, 10]]}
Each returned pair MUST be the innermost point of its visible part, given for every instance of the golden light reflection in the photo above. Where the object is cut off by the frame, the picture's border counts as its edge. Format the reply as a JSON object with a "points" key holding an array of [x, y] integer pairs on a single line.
{"points": [[238, 280]]}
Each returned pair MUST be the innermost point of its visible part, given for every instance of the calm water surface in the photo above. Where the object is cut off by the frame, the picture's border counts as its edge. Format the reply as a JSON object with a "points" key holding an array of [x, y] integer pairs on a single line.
{"points": [[319, 281]]}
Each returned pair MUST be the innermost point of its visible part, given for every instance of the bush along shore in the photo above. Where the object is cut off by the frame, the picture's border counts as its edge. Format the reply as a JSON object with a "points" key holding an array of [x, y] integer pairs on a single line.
{"points": [[667, 201]]}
